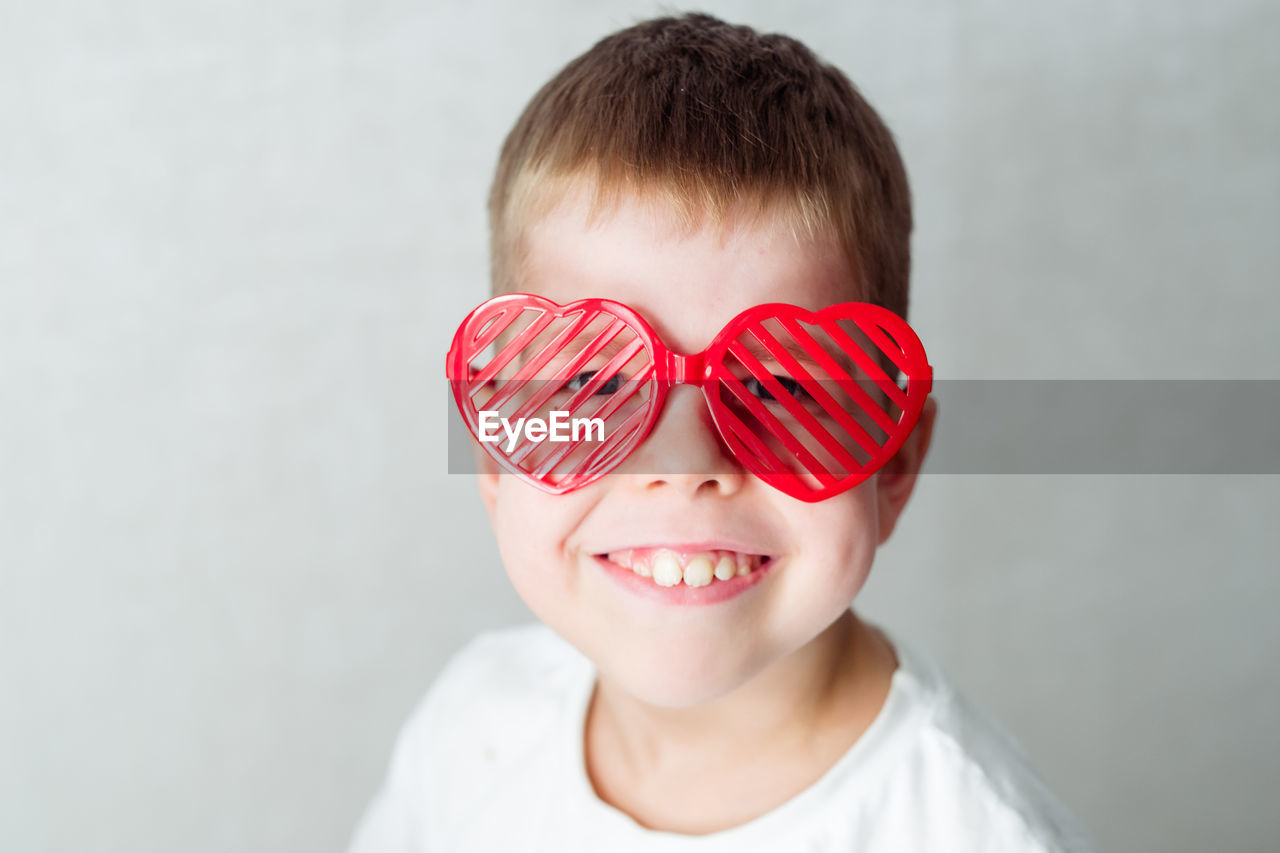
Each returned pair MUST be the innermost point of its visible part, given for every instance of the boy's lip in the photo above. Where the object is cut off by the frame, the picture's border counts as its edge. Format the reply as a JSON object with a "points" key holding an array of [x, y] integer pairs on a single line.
{"points": [[686, 548], [680, 593]]}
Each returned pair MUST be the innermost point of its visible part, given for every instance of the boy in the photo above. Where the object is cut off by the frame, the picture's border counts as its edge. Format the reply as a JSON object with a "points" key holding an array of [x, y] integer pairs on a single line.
{"points": [[701, 683]]}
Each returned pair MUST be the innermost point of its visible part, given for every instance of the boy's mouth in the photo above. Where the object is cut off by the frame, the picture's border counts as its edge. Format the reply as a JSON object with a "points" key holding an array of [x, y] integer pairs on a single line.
{"points": [[669, 567]]}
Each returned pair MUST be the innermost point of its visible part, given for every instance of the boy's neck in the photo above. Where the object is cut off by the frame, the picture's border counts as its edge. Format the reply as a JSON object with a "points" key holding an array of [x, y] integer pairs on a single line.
{"points": [[798, 717]]}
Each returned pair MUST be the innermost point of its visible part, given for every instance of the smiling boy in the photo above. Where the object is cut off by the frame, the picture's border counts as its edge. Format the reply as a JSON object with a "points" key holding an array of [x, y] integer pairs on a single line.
{"points": [[700, 681]]}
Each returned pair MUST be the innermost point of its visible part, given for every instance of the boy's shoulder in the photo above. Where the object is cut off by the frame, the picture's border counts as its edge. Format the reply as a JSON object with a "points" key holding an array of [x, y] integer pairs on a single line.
{"points": [[509, 683], [482, 728], [957, 768], [515, 669], [498, 700]]}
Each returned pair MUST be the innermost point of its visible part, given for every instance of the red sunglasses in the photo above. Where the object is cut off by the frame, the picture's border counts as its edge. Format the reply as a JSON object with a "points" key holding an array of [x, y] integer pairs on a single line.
{"points": [[562, 394]]}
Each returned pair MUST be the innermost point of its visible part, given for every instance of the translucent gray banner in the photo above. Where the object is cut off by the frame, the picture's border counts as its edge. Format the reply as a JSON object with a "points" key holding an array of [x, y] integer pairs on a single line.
{"points": [[1216, 426]]}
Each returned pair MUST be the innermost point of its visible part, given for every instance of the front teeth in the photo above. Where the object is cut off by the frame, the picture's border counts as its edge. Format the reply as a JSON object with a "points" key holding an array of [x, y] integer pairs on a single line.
{"points": [[666, 569], [664, 565], [698, 572]]}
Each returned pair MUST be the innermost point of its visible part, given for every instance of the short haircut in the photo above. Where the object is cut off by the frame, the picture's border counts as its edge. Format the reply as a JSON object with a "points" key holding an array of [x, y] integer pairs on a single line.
{"points": [[714, 119]]}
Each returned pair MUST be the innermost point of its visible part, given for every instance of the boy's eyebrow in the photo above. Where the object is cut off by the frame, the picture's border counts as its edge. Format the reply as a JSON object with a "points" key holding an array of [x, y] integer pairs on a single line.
{"points": [[616, 343], [622, 338], [791, 347], [749, 342], [612, 347]]}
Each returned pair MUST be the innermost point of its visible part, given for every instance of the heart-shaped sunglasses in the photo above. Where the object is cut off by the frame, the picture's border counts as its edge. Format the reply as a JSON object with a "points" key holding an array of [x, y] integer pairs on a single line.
{"points": [[813, 403]]}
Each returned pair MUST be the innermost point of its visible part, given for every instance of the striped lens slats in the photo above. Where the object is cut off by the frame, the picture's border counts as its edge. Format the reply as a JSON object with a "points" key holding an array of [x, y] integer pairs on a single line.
{"points": [[519, 360], [812, 402]]}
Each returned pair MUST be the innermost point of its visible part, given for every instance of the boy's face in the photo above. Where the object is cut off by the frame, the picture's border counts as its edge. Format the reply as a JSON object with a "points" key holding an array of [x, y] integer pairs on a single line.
{"points": [[572, 557]]}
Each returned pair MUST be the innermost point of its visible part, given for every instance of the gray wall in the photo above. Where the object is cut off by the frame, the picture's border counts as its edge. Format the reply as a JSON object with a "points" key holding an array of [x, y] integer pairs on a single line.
{"points": [[235, 238]]}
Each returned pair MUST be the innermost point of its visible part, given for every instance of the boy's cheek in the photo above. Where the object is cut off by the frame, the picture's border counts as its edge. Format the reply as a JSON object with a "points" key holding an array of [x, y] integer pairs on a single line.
{"points": [[486, 478], [530, 525], [487, 484]]}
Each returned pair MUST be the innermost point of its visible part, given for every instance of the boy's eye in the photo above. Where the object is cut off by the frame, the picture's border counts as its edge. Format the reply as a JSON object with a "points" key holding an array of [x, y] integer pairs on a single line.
{"points": [[609, 386], [756, 388]]}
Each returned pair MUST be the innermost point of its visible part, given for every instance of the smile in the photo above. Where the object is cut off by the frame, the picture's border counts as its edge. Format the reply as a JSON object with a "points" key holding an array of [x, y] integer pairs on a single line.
{"points": [[669, 567], [686, 575]]}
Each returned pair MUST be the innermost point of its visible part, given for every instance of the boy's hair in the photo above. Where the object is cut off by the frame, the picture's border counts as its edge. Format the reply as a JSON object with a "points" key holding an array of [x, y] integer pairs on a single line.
{"points": [[716, 120]]}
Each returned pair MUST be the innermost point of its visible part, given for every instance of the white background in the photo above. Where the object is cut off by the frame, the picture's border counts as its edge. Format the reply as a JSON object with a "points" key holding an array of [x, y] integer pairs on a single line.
{"points": [[235, 238]]}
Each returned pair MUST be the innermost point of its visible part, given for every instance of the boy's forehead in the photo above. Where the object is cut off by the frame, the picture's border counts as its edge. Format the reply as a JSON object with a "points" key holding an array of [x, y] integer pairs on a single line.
{"points": [[686, 280]]}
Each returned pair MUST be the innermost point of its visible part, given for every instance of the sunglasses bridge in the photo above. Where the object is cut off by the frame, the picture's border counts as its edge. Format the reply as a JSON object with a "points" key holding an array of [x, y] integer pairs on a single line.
{"points": [[691, 369]]}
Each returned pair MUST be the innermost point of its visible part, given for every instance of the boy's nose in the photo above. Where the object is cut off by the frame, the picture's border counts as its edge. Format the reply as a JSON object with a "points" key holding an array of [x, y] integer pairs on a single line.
{"points": [[684, 451]]}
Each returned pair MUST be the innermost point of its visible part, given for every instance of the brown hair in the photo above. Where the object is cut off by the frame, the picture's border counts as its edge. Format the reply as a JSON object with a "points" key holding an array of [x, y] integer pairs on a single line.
{"points": [[711, 117]]}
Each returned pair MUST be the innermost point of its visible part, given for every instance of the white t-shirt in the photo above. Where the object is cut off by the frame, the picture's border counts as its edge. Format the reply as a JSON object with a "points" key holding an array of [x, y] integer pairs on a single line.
{"points": [[491, 760]]}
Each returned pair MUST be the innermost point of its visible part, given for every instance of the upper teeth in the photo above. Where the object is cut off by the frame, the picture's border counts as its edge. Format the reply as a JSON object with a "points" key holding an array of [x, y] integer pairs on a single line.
{"points": [[697, 568]]}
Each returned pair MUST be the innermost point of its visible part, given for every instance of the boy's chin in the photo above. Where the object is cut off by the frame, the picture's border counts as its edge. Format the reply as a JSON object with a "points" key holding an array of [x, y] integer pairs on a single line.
{"points": [[677, 682]]}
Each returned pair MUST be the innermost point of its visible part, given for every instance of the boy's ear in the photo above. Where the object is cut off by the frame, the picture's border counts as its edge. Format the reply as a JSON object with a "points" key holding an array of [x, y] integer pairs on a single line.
{"points": [[896, 480]]}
